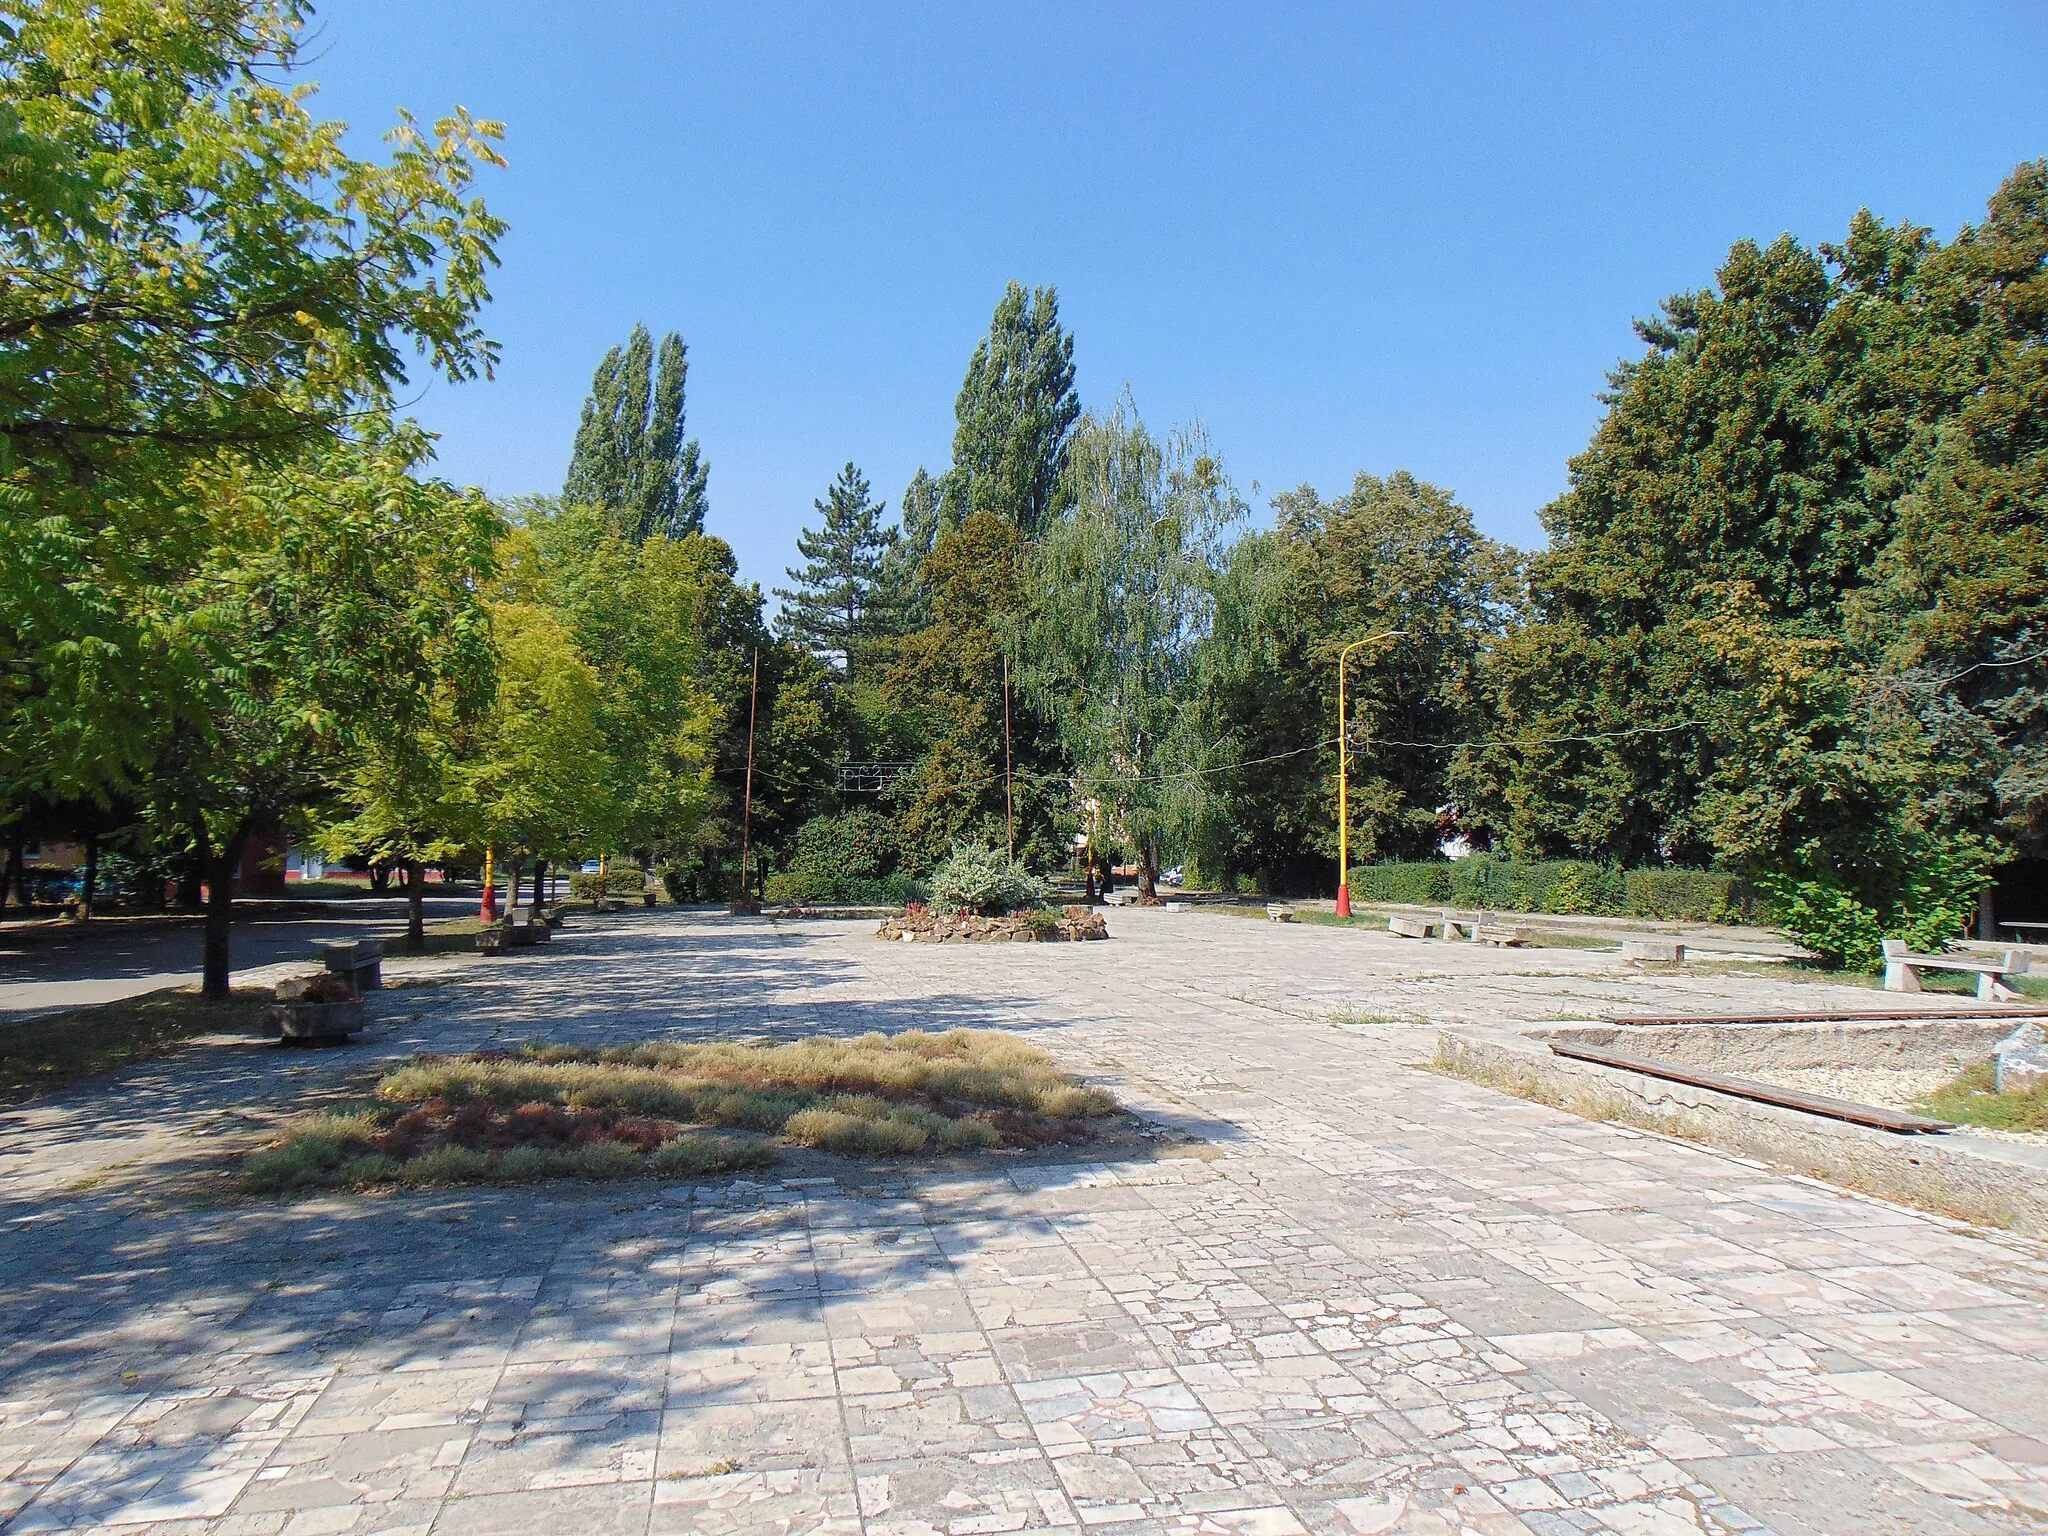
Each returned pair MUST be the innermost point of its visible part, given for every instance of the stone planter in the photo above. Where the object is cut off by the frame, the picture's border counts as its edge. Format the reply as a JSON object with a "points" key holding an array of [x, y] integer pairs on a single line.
{"points": [[1075, 924], [306, 1022]]}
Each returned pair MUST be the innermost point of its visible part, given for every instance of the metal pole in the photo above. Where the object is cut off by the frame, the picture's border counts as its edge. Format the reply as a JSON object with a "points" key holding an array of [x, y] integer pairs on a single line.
{"points": [[1009, 783], [747, 812]]}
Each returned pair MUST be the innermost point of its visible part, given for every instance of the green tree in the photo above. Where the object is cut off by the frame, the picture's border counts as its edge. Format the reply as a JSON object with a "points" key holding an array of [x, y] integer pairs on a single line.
{"points": [[340, 599], [1120, 610], [630, 459], [1016, 410], [903, 600], [1394, 553], [192, 263], [1833, 456], [839, 606]]}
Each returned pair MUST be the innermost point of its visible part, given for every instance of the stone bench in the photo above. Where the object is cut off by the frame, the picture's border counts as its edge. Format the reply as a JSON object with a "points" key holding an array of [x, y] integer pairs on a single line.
{"points": [[1653, 951], [359, 961], [1499, 935], [1279, 912], [315, 1008], [1902, 970], [1408, 927]]}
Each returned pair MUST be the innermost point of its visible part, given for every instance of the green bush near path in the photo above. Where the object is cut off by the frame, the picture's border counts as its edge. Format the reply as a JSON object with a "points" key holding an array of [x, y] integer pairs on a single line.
{"points": [[1564, 886]]}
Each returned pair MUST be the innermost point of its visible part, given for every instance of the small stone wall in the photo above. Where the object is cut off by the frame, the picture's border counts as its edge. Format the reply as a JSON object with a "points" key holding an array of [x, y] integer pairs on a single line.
{"points": [[927, 927]]}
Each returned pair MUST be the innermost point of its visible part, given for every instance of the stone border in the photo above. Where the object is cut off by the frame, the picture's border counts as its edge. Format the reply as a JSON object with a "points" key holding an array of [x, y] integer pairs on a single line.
{"points": [[927, 927], [1991, 1183]]}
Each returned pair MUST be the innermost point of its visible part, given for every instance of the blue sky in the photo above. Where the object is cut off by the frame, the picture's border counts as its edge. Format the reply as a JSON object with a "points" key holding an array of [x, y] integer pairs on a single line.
{"points": [[1345, 237]]}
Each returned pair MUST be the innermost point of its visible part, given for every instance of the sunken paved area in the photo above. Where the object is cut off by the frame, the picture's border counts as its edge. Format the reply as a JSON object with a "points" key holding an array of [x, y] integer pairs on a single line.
{"points": [[1392, 1301]]}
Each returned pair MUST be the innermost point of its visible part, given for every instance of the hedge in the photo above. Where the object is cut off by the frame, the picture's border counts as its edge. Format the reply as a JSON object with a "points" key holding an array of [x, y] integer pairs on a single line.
{"points": [[822, 888], [621, 882], [1561, 885]]}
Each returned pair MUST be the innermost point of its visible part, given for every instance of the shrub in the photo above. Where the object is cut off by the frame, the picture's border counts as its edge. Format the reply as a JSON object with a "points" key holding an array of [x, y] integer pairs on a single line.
{"points": [[621, 882], [1827, 919], [975, 877], [1559, 885], [820, 887]]}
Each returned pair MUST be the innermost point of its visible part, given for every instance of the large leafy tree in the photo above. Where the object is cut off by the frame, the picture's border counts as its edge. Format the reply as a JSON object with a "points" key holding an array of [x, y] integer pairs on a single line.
{"points": [[1120, 610], [839, 604], [1819, 492], [340, 599], [630, 459], [1016, 410], [1392, 554], [191, 263]]}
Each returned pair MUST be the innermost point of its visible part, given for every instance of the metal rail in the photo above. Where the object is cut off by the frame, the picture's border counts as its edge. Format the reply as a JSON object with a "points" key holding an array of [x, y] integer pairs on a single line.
{"points": [[1894, 1120]]}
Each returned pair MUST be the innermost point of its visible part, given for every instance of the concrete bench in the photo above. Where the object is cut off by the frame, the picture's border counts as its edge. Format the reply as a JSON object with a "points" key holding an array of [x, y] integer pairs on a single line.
{"points": [[1279, 912], [1653, 951], [1902, 970], [359, 961], [1408, 927], [1500, 936]]}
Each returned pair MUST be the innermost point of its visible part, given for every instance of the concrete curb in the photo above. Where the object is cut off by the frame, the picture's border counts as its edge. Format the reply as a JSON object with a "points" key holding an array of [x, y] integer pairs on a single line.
{"points": [[1987, 1182]]}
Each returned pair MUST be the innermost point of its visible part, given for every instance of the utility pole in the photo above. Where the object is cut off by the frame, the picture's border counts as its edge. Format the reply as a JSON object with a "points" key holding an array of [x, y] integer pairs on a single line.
{"points": [[1009, 780], [747, 811]]}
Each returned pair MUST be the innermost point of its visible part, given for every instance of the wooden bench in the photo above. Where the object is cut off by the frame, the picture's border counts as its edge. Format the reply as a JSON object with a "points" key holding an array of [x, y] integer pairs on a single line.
{"points": [[1902, 970]]}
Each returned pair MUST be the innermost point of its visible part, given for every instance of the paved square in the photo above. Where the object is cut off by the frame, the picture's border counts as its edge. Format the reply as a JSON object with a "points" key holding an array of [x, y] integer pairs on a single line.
{"points": [[1387, 1302]]}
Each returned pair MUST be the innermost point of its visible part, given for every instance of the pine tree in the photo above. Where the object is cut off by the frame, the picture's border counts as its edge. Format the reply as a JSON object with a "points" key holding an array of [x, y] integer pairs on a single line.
{"points": [[907, 601], [838, 603], [630, 458], [1015, 413]]}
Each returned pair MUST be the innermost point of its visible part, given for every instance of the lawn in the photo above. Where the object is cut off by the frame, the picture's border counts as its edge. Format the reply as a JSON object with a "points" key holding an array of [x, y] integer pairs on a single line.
{"points": [[1972, 1100], [654, 1109], [59, 1048]]}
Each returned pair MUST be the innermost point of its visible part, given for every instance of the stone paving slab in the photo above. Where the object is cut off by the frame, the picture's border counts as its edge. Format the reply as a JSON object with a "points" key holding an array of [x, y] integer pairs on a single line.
{"points": [[1387, 1302]]}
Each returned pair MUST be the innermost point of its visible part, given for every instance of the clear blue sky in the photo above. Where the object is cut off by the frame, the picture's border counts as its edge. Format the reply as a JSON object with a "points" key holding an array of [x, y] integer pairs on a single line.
{"points": [[1364, 236]]}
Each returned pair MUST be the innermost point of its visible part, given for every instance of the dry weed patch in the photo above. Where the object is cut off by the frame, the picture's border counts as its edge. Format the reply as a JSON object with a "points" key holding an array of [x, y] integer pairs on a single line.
{"points": [[645, 1110], [1973, 1099]]}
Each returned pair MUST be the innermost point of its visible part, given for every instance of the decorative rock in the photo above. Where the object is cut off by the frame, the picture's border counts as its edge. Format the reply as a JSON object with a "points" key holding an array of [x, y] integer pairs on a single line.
{"points": [[1408, 927], [1653, 951], [329, 988], [2022, 1060]]}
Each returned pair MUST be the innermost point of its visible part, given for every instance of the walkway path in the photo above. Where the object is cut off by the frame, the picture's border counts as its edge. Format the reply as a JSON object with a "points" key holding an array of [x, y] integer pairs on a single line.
{"points": [[1391, 1301]]}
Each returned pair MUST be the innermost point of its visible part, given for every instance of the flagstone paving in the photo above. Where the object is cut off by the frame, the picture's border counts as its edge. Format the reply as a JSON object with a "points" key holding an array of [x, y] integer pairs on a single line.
{"points": [[1385, 1301]]}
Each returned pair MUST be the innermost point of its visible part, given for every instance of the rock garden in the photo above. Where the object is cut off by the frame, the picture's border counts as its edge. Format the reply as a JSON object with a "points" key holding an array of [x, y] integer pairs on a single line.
{"points": [[979, 895]]}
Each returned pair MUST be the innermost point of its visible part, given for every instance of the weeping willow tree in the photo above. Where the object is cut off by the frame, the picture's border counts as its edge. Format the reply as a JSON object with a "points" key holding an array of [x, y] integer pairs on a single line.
{"points": [[1121, 610]]}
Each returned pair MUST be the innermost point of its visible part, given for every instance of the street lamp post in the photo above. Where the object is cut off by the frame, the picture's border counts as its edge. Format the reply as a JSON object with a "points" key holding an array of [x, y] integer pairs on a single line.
{"points": [[1344, 774]]}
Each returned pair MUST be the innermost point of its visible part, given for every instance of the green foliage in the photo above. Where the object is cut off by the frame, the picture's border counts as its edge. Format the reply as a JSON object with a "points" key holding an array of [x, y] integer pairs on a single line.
{"points": [[1789, 613], [1928, 901], [620, 882], [848, 859], [1391, 554], [1015, 411], [977, 878], [1563, 886], [629, 459], [838, 606], [1120, 611], [194, 266], [1973, 1099]]}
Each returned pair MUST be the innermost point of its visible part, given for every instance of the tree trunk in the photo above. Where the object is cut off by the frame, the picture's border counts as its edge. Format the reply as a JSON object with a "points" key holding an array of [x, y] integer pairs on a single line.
{"points": [[220, 915], [380, 878], [540, 873], [518, 876], [9, 874], [415, 907], [20, 876], [1148, 873], [1987, 914], [92, 875], [195, 871]]}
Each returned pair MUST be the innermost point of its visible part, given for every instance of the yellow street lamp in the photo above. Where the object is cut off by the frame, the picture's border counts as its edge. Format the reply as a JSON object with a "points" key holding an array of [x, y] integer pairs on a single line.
{"points": [[1344, 772]]}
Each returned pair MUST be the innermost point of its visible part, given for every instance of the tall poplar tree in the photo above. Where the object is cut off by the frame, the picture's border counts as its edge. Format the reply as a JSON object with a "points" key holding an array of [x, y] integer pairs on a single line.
{"points": [[838, 603], [1015, 414], [630, 458]]}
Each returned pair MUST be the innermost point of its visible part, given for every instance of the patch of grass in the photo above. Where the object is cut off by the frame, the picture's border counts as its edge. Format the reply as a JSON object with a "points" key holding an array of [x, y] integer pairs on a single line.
{"points": [[60, 1048], [642, 1110], [1973, 1099]]}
